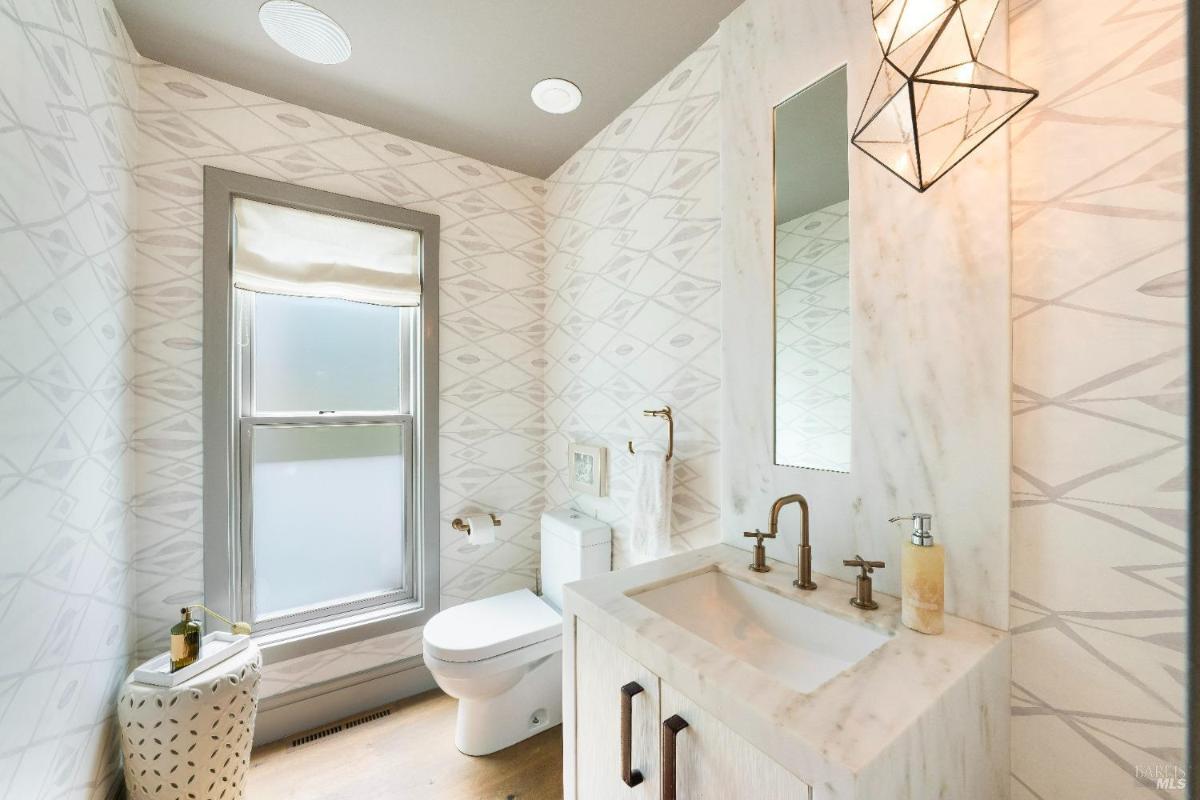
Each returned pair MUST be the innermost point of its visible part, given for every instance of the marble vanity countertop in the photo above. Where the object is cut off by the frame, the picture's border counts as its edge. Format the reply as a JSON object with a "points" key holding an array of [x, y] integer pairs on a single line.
{"points": [[829, 736]]}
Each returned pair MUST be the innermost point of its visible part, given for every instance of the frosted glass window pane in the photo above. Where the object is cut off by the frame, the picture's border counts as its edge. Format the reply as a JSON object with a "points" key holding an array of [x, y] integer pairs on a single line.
{"points": [[319, 354], [328, 514]]}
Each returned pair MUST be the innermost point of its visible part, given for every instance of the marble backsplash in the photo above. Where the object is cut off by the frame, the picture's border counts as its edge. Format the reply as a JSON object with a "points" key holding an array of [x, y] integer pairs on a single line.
{"points": [[930, 298]]}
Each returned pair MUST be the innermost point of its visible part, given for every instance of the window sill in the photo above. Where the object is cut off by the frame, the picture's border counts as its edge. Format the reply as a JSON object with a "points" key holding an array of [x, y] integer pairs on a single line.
{"points": [[313, 637]]}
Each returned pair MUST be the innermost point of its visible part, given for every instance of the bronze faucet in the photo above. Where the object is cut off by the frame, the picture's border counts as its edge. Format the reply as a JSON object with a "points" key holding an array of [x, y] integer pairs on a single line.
{"points": [[804, 552]]}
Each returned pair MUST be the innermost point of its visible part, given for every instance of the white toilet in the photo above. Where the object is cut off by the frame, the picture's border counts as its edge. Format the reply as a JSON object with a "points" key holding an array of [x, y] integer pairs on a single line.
{"points": [[502, 656]]}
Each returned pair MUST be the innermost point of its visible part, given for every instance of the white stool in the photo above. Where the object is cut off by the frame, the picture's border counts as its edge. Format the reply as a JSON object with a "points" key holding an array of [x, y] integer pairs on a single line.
{"points": [[191, 741]]}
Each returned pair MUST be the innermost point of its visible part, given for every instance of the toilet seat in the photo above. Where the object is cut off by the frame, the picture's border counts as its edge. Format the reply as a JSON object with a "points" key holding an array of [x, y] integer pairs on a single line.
{"points": [[485, 629], [496, 665]]}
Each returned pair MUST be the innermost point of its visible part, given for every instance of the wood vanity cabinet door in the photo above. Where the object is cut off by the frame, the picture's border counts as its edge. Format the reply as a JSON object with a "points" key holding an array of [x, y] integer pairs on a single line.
{"points": [[600, 672], [714, 763]]}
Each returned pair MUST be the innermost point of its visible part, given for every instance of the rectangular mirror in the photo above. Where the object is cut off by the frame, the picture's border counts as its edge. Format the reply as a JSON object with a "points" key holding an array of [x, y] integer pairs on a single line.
{"points": [[812, 278]]}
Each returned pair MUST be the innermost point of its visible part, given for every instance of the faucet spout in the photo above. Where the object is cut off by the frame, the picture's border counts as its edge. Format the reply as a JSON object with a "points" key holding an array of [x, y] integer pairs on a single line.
{"points": [[804, 551]]}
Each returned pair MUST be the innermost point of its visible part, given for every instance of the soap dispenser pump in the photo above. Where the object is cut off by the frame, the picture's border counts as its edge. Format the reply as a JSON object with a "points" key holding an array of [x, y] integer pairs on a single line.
{"points": [[923, 576]]}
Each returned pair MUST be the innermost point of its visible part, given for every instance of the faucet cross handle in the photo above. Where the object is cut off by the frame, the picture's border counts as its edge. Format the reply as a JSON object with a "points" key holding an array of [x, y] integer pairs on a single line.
{"points": [[756, 533], [868, 567], [862, 597], [759, 564]]}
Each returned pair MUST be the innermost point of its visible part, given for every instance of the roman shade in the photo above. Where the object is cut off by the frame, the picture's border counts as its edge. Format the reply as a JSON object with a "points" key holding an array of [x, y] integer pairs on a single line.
{"points": [[281, 250]]}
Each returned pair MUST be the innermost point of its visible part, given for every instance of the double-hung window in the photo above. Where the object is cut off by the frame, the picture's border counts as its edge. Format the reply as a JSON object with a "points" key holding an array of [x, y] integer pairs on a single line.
{"points": [[322, 477]]}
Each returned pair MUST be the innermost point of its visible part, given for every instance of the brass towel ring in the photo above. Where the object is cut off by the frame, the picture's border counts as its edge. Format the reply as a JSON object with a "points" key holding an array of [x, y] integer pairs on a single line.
{"points": [[662, 412]]}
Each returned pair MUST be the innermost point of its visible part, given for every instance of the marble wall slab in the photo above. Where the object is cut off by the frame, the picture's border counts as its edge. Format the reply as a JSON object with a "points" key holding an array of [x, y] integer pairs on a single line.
{"points": [[67, 211], [930, 289]]}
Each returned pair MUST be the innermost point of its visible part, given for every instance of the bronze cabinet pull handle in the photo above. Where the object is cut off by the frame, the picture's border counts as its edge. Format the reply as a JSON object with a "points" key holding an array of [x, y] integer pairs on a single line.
{"points": [[629, 775], [670, 727]]}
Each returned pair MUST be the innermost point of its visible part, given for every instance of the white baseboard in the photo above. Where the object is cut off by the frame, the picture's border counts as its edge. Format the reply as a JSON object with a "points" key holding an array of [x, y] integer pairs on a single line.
{"points": [[282, 715]]}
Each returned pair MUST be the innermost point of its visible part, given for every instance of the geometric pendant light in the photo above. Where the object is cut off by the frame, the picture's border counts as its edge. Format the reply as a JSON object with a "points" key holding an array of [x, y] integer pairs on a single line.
{"points": [[932, 101]]}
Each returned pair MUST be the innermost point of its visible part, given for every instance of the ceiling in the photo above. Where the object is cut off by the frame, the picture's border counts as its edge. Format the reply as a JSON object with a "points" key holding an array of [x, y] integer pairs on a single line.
{"points": [[811, 141], [455, 74]]}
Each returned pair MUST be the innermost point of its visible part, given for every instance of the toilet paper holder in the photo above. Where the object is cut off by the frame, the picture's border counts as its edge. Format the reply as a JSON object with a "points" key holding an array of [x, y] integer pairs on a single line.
{"points": [[460, 525]]}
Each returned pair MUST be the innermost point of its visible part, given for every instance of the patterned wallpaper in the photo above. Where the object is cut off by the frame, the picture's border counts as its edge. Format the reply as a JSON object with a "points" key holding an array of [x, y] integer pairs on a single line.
{"points": [[1099, 491], [634, 293], [67, 200], [812, 339], [563, 323], [492, 305]]}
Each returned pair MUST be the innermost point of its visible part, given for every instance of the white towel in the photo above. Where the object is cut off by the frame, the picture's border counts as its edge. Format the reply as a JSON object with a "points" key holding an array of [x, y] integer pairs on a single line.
{"points": [[650, 512]]}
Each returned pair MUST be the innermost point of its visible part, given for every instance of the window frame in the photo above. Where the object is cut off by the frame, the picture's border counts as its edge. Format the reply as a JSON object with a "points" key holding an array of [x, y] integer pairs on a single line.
{"points": [[229, 418]]}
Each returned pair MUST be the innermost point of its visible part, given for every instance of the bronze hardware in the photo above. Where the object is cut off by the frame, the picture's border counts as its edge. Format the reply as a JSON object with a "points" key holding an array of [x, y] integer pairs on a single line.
{"points": [[804, 551], [863, 598], [459, 525], [670, 729], [665, 411], [760, 552], [629, 775]]}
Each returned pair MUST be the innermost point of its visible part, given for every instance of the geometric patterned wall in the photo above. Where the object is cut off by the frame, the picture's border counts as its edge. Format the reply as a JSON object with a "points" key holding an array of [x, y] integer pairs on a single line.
{"points": [[541, 348], [629, 302], [67, 142], [812, 339], [492, 304], [634, 298], [1099, 366]]}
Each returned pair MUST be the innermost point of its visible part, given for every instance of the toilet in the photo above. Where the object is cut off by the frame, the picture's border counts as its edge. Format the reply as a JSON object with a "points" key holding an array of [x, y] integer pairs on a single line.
{"points": [[501, 656]]}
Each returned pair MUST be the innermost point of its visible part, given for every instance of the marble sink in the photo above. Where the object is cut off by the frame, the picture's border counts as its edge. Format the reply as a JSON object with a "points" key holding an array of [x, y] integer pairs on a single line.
{"points": [[851, 702], [795, 644]]}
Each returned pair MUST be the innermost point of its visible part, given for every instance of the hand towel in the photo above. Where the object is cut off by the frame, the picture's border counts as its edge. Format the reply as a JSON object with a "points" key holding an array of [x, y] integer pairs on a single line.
{"points": [[650, 512]]}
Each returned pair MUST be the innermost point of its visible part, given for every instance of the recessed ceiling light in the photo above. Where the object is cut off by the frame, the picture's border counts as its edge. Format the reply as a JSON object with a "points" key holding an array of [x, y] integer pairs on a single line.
{"points": [[304, 31], [556, 96]]}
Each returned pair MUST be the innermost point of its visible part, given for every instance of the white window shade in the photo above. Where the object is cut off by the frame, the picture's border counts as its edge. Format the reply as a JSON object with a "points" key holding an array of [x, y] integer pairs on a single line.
{"points": [[280, 250]]}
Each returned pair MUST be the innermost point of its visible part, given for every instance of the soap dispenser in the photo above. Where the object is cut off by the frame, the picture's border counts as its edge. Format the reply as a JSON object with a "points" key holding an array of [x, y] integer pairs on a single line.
{"points": [[185, 641], [923, 575]]}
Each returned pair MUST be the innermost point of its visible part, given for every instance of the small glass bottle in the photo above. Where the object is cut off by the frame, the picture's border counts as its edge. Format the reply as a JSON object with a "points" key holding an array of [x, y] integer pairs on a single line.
{"points": [[185, 641]]}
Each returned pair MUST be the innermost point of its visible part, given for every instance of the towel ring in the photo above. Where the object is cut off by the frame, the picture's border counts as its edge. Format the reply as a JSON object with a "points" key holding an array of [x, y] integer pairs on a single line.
{"points": [[661, 412]]}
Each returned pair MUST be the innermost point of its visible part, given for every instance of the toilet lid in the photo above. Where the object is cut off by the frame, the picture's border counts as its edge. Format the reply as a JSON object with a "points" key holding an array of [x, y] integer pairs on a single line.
{"points": [[490, 627]]}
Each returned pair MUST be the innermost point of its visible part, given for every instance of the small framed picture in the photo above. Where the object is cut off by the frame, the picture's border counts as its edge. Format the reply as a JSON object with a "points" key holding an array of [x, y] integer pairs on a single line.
{"points": [[587, 469]]}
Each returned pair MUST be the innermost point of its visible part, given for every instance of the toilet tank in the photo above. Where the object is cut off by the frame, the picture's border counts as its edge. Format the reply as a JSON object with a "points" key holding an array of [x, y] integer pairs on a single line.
{"points": [[574, 546]]}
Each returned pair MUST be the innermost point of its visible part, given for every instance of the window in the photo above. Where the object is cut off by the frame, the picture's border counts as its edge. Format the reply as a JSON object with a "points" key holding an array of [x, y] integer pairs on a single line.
{"points": [[325, 439], [320, 413]]}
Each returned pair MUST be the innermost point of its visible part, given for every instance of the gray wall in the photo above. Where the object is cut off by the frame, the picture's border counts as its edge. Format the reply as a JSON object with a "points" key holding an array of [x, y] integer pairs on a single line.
{"points": [[812, 168]]}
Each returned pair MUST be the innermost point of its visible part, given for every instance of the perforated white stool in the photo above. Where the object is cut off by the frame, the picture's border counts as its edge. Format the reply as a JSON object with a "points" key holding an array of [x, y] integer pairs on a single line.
{"points": [[191, 741]]}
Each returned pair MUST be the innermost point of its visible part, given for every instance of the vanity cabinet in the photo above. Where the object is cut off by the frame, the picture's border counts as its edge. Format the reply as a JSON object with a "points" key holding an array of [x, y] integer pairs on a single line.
{"points": [[711, 762], [602, 674]]}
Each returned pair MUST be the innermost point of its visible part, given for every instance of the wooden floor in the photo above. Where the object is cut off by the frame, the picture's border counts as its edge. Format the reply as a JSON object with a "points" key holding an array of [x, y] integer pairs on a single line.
{"points": [[408, 754]]}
